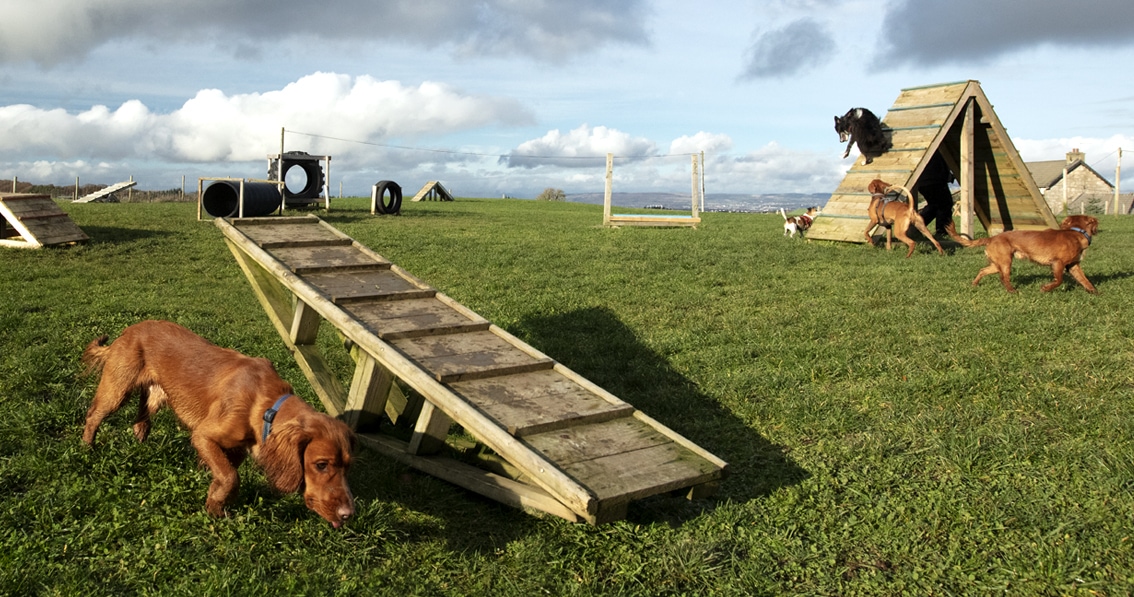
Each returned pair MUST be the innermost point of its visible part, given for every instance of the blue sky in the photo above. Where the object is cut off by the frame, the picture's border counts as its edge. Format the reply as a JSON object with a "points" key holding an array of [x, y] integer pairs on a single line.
{"points": [[509, 97]]}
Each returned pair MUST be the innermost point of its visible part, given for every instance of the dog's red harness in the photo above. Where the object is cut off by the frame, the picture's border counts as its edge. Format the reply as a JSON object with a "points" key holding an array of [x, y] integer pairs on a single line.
{"points": [[803, 221]]}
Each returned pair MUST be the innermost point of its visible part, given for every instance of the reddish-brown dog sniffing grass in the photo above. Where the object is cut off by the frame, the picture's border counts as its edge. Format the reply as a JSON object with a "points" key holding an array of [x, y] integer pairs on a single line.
{"points": [[232, 404], [1061, 249]]}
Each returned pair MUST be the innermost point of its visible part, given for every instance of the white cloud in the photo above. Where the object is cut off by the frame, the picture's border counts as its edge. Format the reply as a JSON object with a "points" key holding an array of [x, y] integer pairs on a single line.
{"points": [[702, 141], [773, 168], [1101, 153], [566, 149], [214, 127]]}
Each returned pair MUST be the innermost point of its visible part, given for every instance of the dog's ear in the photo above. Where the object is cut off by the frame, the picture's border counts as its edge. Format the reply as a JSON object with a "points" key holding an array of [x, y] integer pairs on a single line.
{"points": [[282, 455]]}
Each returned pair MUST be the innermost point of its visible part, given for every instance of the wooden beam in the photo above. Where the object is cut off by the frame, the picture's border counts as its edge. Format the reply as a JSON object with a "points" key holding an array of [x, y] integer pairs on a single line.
{"points": [[607, 194], [968, 166], [501, 489], [369, 390], [431, 430]]}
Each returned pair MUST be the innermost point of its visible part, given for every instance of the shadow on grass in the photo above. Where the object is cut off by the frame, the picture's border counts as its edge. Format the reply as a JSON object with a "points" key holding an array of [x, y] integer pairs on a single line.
{"points": [[114, 234], [595, 344], [1036, 279]]}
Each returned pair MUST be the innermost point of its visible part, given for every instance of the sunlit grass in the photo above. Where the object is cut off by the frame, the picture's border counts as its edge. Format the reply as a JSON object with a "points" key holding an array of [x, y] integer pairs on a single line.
{"points": [[891, 430]]}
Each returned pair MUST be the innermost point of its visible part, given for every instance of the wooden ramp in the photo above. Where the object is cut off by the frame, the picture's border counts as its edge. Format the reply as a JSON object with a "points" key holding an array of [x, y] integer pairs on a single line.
{"points": [[106, 192], [558, 443], [433, 191], [957, 120], [33, 221]]}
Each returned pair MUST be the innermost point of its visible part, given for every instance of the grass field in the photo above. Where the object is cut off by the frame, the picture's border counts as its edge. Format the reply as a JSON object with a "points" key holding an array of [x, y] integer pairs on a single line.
{"points": [[890, 429]]}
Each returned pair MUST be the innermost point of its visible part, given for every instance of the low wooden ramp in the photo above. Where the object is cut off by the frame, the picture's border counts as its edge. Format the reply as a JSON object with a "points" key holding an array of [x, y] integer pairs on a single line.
{"points": [[958, 120], [106, 192], [433, 190], [30, 221], [568, 447]]}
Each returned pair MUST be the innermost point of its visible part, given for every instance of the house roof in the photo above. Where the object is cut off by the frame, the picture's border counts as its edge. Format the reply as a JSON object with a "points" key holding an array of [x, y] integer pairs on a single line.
{"points": [[1048, 173]]}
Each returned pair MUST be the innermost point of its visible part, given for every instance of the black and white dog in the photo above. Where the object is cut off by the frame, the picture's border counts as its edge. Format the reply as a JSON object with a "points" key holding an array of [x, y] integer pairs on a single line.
{"points": [[798, 223], [861, 126]]}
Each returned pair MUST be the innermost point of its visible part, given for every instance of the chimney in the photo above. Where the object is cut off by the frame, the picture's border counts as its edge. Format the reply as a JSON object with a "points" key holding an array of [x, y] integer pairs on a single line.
{"points": [[1076, 156]]}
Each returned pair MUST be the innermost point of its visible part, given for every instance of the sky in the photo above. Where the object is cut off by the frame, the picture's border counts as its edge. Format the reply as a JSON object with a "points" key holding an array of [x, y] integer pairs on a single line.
{"points": [[509, 97]]}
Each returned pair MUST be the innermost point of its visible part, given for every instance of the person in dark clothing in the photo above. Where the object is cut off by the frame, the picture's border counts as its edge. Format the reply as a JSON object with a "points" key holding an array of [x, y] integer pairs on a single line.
{"points": [[934, 186]]}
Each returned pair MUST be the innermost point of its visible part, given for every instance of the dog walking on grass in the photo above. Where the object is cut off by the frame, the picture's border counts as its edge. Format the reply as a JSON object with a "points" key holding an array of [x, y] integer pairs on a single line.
{"points": [[1062, 249], [232, 404]]}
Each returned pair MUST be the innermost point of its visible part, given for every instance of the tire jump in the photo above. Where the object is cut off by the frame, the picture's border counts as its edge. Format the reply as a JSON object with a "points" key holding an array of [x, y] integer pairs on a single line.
{"points": [[378, 200]]}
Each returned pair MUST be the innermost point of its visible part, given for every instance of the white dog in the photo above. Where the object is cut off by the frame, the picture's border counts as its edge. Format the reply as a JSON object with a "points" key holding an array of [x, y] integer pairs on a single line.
{"points": [[799, 223]]}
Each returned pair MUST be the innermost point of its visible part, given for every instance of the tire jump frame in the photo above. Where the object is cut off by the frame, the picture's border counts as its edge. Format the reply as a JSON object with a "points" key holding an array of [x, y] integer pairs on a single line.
{"points": [[559, 443]]}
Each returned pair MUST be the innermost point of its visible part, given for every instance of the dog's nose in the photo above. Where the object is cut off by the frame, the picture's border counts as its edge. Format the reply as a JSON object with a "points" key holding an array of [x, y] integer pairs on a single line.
{"points": [[345, 511]]}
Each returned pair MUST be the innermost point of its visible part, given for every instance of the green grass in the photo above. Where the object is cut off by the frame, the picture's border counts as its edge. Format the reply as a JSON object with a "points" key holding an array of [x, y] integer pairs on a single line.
{"points": [[891, 429]]}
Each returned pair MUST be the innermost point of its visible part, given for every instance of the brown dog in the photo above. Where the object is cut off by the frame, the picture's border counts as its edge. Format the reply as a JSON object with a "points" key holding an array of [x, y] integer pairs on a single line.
{"points": [[231, 403], [1061, 249], [895, 216]]}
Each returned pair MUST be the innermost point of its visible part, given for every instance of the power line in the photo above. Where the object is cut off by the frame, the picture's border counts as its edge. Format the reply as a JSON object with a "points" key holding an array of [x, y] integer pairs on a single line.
{"points": [[486, 155]]}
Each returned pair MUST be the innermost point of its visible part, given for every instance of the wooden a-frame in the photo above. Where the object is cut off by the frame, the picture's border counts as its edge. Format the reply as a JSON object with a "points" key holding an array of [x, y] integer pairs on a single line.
{"points": [[957, 120], [433, 190], [29, 221], [557, 442]]}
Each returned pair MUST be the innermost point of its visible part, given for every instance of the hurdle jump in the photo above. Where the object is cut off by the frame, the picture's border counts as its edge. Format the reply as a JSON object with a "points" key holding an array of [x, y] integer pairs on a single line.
{"points": [[674, 220]]}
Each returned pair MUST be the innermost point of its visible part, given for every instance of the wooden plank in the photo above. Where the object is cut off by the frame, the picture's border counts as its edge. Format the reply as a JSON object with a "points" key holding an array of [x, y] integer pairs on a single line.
{"points": [[620, 478], [323, 380], [369, 390], [597, 440], [935, 116], [276, 300], [304, 325], [38, 221], [501, 489], [539, 401], [648, 220], [303, 260], [931, 94], [293, 234], [832, 229], [430, 430], [623, 459], [345, 286], [410, 318], [473, 355]]}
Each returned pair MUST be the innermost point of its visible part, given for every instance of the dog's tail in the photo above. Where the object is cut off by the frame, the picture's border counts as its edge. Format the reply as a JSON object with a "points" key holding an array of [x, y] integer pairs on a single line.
{"points": [[783, 213], [906, 192], [94, 356], [964, 240]]}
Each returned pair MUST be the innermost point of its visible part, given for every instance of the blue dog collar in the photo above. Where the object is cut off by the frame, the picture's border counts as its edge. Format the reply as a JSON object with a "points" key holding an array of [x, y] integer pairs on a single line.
{"points": [[1084, 233], [270, 415]]}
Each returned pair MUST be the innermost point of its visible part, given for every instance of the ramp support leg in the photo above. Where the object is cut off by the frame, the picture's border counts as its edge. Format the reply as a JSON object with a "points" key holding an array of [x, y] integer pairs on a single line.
{"points": [[430, 432], [369, 389]]}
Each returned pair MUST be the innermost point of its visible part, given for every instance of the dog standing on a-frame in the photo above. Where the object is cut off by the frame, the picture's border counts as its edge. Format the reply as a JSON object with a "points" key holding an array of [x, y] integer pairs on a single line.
{"points": [[860, 126]]}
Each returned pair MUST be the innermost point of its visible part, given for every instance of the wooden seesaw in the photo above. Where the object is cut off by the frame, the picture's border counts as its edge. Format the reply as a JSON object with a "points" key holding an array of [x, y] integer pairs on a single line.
{"points": [[569, 447]]}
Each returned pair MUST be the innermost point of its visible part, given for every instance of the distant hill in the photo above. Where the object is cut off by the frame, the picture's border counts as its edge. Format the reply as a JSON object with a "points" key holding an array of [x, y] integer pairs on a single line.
{"points": [[713, 201]]}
